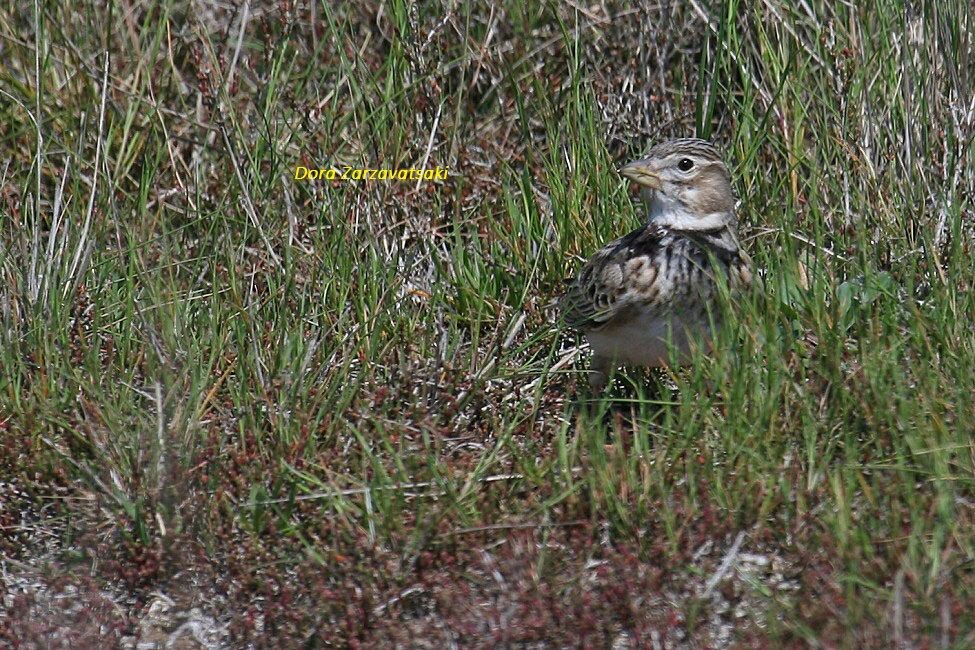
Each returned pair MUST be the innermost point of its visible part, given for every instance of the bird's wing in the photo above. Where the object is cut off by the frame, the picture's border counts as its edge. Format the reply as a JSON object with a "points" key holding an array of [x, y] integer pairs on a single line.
{"points": [[619, 275]]}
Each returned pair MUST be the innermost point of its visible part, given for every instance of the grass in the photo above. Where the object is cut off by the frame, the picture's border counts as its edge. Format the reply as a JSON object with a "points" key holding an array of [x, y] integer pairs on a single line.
{"points": [[343, 413]]}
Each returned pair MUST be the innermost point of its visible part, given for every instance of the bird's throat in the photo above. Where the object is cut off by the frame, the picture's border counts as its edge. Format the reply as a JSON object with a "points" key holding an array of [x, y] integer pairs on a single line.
{"points": [[670, 214]]}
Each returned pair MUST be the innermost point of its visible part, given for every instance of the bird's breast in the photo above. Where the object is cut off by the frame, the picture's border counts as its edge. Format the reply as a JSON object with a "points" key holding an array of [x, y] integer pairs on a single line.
{"points": [[645, 339]]}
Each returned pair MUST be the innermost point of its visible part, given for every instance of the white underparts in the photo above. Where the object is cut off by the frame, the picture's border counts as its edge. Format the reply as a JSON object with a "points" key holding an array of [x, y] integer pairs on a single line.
{"points": [[643, 340]]}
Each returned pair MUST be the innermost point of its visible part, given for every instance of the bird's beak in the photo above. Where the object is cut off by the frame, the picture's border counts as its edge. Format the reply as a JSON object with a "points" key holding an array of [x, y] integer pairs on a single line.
{"points": [[639, 172]]}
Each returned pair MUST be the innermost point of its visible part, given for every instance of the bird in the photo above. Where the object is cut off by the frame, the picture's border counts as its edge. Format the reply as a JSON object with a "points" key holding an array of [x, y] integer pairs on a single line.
{"points": [[656, 288]]}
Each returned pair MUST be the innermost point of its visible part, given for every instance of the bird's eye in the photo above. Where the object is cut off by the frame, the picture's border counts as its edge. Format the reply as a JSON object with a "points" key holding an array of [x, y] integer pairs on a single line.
{"points": [[685, 164]]}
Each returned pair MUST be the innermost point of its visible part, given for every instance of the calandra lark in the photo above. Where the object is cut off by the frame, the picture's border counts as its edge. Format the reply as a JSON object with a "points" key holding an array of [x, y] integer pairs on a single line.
{"points": [[656, 287]]}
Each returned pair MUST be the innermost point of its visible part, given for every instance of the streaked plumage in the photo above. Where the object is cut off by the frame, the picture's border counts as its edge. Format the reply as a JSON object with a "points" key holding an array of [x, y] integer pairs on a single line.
{"points": [[657, 283]]}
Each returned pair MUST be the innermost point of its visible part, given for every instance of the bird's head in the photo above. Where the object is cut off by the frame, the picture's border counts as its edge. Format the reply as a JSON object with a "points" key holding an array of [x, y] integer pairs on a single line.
{"points": [[686, 184]]}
